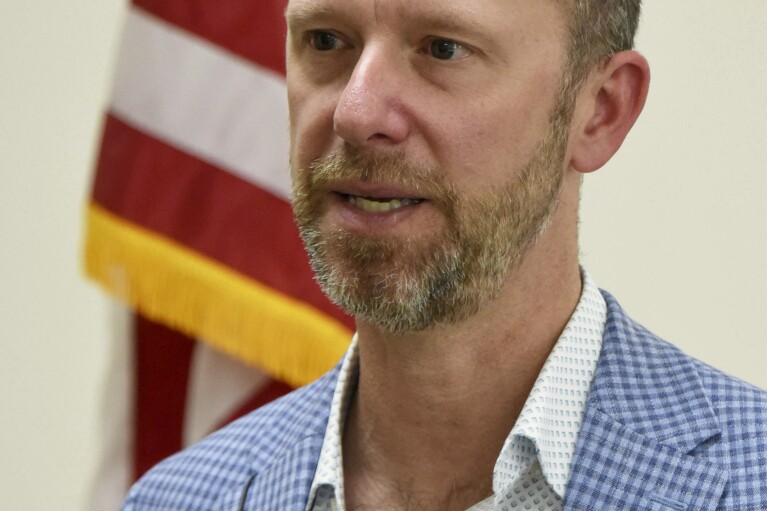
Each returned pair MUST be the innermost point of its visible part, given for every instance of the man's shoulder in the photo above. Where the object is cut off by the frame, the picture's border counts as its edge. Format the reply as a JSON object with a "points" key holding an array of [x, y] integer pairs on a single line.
{"points": [[651, 352], [662, 389], [741, 410], [198, 477]]}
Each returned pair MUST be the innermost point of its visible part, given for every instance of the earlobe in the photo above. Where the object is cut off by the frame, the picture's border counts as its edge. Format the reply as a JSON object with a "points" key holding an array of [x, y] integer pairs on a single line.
{"points": [[608, 107]]}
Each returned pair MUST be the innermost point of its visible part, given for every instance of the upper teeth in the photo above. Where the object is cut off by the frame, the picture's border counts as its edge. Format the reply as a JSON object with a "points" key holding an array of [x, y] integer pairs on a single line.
{"points": [[379, 205]]}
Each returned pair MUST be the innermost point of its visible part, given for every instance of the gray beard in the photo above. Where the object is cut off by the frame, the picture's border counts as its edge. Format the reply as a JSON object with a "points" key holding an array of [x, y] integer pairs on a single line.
{"points": [[401, 285]]}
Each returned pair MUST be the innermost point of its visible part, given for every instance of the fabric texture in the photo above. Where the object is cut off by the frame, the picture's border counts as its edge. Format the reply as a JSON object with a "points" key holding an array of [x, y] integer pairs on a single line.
{"points": [[662, 431], [533, 467]]}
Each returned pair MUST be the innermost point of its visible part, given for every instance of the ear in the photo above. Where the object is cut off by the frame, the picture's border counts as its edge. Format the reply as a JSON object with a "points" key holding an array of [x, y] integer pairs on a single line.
{"points": [[610, 102]]}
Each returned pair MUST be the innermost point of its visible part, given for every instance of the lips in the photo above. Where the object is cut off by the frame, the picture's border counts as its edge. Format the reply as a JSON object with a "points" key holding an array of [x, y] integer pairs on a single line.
{"points": [[376, 197], [379, 204]]}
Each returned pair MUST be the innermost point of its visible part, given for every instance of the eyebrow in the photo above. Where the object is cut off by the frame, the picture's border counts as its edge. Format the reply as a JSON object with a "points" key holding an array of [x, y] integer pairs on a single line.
{"points": [[456, 22], [304, 13], [444, 22]]}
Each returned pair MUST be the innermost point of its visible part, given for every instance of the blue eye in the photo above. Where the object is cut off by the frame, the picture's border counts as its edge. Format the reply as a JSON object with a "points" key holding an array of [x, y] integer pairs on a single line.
{"points": [[445, 49], [324, 41]]}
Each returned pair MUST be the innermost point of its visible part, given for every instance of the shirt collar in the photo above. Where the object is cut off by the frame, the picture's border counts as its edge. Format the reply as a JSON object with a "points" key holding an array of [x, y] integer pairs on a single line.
{"points": [[553, 414], [551, 418], [328, 483]]}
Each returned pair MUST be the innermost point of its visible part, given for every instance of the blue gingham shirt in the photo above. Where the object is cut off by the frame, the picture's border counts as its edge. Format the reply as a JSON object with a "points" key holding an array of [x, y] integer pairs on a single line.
{"points": [[533, 467]]}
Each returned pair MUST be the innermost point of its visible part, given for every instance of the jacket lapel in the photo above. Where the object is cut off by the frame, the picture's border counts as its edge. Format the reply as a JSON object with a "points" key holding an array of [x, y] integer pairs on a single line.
{"points": [[646, 415], [285, 456], [284, 486]]}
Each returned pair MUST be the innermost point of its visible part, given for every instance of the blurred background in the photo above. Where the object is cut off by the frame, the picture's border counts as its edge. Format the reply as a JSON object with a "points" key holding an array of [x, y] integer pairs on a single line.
{"points": [[673, 226]]}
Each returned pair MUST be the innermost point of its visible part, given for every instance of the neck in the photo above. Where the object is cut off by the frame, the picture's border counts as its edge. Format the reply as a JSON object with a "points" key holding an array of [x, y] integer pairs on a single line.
{"points": [[433, 408]]}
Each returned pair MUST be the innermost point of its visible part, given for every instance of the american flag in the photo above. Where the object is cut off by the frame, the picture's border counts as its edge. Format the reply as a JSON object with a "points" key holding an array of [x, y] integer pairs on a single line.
{"points": [[189, 227]]}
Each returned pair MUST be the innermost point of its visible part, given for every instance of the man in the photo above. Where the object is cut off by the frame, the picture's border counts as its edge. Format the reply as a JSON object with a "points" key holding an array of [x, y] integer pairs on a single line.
{"points": [[437, 154]]}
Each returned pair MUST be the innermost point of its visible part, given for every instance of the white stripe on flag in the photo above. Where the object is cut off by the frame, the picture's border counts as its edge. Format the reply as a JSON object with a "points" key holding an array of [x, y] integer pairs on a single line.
{"points": [[218, 386], [203, 100]]}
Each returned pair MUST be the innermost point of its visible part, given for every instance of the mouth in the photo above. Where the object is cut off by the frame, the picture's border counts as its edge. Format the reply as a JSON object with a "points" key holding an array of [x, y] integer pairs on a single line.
{"points": [[380, 210], [379, 204]]}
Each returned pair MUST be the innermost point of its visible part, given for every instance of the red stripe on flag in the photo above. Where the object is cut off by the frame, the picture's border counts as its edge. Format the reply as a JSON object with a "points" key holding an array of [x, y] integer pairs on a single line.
{"points": [[211, 211], [253, 29], [162, 360]]}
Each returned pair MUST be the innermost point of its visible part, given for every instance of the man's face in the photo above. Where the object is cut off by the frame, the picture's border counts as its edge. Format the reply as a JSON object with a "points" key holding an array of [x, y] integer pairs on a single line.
{"points": [[428, 148]]}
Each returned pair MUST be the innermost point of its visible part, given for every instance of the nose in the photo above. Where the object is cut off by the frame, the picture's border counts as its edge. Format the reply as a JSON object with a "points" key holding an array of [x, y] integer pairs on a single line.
{"points": [[370, 110]]}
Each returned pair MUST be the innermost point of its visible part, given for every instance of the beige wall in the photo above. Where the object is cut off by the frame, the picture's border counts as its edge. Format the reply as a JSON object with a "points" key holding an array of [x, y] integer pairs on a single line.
{"points": [[673, 226], [55, 59]]}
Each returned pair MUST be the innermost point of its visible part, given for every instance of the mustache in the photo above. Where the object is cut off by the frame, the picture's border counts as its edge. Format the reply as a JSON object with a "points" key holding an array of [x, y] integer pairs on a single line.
{"points": [[346, 164]]}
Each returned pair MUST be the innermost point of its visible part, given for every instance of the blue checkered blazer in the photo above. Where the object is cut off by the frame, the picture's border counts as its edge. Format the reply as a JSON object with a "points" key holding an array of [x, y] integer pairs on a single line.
{"points": [[662, 431]]}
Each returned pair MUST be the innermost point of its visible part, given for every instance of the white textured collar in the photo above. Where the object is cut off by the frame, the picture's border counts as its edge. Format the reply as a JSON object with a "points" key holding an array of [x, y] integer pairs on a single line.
{"points": [[553, 414]]}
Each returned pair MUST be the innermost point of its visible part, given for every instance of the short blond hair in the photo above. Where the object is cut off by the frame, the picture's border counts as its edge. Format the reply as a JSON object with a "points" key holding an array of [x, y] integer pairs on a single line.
{"points": [[598, 29]]}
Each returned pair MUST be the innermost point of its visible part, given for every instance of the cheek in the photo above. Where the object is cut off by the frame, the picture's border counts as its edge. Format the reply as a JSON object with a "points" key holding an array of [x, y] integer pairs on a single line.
{"points": [[311, 124], [489, 144]]}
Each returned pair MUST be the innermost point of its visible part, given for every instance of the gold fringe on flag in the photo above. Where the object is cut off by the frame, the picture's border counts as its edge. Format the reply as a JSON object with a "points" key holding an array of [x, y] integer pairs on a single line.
{"points": [[204, 299]]}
